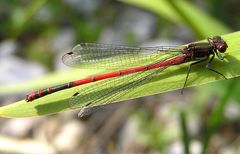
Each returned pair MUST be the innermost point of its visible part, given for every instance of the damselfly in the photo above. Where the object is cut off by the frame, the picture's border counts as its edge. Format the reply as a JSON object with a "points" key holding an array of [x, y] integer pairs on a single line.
{"points": [[135, 65]]}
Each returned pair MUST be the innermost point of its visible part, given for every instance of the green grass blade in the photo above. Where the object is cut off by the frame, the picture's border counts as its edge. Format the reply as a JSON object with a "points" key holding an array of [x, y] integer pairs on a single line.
{"points": [[20, 17], [185, 134], [171, 79], [217, 116], [183, 12]]}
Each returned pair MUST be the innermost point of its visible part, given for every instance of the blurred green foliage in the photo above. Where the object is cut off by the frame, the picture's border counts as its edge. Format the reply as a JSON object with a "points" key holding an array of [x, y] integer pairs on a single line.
{"points": [[23, 22], [184, 12], [35, 23]]}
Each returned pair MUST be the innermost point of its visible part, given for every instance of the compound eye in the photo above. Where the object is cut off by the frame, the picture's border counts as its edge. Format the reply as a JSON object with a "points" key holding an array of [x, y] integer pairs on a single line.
{"points": [[222, 48]]}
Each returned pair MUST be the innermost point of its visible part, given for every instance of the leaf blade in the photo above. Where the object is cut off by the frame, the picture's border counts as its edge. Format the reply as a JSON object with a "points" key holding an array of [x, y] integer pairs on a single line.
{"points": [[171, 79]]}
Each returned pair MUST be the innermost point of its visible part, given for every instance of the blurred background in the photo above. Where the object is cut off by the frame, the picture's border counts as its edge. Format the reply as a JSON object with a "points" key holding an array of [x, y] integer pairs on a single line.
{"points": [[35, 34]]}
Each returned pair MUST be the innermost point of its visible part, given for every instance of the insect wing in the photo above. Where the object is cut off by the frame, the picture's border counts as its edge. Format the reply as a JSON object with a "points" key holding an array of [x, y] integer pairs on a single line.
{"points": [[112, 90], [107, 56]]}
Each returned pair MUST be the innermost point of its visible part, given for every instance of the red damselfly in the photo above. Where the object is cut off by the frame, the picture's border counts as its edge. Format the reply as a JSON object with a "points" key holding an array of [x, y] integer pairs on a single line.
{"points": [[136, 65]]}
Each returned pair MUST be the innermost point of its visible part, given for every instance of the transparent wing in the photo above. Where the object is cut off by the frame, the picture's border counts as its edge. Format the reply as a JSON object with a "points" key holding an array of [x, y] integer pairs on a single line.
{"points": [[111, 90], [107, 56]]}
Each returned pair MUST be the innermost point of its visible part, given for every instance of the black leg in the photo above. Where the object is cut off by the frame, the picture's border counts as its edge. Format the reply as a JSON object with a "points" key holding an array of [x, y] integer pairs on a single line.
{"points": [[208, 66], [218, 55], [209, 40], [189, 69]]}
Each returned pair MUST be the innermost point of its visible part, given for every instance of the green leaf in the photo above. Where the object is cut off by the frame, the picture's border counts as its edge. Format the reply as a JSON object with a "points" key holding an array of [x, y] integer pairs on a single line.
{"points": [[171, 79], [183, 12]]}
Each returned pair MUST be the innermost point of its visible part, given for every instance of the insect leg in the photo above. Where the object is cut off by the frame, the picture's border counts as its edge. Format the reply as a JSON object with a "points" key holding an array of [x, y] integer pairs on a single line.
{"points": [[189, 69]]}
